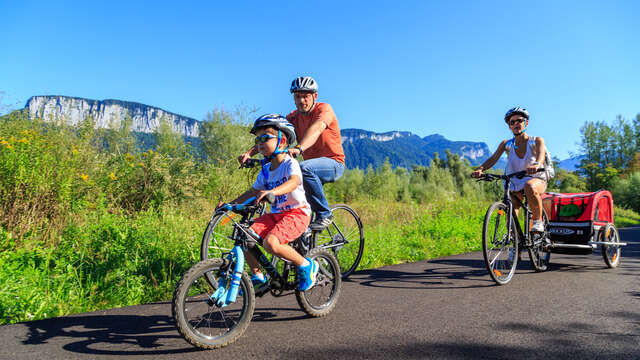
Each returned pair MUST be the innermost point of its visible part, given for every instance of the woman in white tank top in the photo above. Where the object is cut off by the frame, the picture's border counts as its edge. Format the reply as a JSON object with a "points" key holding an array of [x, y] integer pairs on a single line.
{"points": [[523, 153]]}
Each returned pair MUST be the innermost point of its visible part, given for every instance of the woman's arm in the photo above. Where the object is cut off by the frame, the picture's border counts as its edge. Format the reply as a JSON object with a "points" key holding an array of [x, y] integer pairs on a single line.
{"points": [[540, 150], [492, 160]]}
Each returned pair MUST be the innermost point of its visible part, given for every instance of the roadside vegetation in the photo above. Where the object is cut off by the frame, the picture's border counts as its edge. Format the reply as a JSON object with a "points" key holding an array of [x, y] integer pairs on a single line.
{"points": [[90, 221]]}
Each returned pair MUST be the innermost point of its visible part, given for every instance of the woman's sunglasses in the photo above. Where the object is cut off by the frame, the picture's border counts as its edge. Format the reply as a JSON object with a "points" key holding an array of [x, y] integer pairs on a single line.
{"points": [[264, 138], [511, 122]]}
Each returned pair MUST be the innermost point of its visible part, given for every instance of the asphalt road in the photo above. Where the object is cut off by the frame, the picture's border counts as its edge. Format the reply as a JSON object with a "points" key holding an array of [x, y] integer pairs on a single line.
{"points": [[445, 308]]}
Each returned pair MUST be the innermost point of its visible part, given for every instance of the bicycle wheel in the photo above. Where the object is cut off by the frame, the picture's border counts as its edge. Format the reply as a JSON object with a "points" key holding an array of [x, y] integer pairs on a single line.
{"points": [[199, 320], [540, 252], [219, 234], [344, 237], [610, 253], [499, 244], [323, 296]]}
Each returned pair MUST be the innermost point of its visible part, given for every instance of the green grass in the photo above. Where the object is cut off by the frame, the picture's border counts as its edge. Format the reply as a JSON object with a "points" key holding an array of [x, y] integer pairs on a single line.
{"points": [[401, 232], [109, 261], [625, 217]]}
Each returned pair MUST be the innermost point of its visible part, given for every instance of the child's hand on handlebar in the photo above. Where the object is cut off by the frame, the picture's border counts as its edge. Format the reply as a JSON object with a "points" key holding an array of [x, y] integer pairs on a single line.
{"points": [[243, 158], [220, 204]]}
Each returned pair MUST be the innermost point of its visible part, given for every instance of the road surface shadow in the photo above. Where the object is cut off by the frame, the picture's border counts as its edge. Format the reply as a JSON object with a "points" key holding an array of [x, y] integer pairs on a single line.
{"points": [[529, 341], [440, 277], [108, 334]]}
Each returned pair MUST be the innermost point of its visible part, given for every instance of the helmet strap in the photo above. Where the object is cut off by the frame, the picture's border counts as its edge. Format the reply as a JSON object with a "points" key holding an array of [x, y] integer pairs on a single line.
{"points": [[267, 159]]}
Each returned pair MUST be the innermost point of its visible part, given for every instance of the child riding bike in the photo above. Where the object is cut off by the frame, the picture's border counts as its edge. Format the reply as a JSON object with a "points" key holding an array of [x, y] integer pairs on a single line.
{"points": [[524, 153], [290, 213]]}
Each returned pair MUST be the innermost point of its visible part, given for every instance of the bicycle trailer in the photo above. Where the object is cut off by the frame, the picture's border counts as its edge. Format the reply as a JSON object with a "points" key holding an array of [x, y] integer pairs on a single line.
{"points": [[576, 219]]}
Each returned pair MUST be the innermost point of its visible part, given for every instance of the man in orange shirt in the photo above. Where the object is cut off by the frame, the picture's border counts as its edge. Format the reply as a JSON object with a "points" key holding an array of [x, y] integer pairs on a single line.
{"points": [[320, 144]]}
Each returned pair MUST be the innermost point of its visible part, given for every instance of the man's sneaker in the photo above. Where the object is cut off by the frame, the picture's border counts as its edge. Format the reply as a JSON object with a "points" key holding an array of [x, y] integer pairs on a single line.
{"points": [[321, 223], [307, 275], [538, 226], [260, 285]]}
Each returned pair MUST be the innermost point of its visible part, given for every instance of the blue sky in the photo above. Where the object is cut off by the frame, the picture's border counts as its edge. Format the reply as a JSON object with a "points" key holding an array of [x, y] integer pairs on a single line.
{"points": [[451, 68]]}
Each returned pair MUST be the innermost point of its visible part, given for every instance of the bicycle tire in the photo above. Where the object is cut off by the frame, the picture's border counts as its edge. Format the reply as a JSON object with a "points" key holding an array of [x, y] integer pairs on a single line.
{"points": [[495, 244], [322, 298], [192, 294], [218, 236], [344, 237], [610, 253], [539, 255]]}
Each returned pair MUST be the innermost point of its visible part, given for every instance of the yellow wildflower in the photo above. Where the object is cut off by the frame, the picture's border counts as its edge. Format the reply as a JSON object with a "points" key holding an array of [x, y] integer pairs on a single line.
{"points": [[84, 177], [75, 150], [23, 140], [113, 176]]}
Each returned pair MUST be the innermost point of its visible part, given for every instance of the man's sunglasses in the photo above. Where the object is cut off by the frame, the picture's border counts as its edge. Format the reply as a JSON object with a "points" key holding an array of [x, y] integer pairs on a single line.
{"points": [[511, 122], [264, 138]]}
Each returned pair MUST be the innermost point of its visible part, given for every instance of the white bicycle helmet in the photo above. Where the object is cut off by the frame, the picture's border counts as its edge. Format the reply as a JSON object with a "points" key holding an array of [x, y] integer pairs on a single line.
{"points": [[276, 121], [304, 83], [516, 111]]}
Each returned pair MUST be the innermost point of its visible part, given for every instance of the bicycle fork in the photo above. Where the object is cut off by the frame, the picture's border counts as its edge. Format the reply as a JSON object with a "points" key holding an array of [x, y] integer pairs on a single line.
{"points": [[223, 296]]}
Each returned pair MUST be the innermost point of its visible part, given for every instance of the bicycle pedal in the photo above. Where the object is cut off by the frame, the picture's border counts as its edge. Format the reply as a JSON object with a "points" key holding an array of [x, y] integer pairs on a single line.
{"points": [[261, 291]]}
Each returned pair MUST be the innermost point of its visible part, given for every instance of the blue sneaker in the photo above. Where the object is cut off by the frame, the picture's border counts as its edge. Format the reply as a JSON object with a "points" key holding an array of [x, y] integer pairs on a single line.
{"points": [[307, 275], [258, 283]]}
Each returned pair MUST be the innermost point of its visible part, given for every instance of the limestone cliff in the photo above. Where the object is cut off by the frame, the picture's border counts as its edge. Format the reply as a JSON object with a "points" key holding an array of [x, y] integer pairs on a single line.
{"points": [[108, 113]]}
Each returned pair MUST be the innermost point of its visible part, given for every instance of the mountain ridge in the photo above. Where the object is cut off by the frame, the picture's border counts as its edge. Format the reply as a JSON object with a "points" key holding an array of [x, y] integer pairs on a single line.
{"points": [[362, 147], [108, 113]]}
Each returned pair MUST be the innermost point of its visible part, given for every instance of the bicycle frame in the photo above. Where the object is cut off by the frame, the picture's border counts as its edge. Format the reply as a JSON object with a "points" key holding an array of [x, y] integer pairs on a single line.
{"points": [[523, 236], [246, 240]]}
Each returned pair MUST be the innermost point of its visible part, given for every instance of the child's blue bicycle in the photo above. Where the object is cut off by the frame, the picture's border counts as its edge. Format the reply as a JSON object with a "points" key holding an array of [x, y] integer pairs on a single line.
{"points": [[214, 301]]}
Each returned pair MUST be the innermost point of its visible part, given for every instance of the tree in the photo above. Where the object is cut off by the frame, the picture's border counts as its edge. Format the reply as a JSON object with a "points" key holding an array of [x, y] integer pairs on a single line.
{"points": [[224, 135], [609, 151]]}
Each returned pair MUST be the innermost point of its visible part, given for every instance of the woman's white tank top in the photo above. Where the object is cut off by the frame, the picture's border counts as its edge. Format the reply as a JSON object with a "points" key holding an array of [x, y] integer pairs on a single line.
{"points": [[516, 163]]}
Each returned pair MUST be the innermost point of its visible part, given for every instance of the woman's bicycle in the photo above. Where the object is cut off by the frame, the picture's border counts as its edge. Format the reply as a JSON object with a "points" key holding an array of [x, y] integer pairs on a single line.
{"points": [[214, 301], [503, 238], [344, 236]]}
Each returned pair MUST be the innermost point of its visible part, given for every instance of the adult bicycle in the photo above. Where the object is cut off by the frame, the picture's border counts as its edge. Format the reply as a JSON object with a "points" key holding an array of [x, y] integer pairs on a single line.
{"points": [[344, 237], [503, 238], [214, 301]]}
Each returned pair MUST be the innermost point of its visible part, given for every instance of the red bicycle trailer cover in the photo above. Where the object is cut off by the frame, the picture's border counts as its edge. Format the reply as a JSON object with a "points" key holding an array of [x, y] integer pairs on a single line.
{"points": [[587, 206]]}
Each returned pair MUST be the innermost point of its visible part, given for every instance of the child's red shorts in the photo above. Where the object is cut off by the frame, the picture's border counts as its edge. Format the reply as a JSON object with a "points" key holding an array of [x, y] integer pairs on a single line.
{"points": [[286, 226]]}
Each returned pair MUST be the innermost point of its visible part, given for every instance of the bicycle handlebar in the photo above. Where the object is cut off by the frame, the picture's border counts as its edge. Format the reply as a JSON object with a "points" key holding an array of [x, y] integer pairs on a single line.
{"points": [[251, 163], [519, 175], [248, 204]]}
